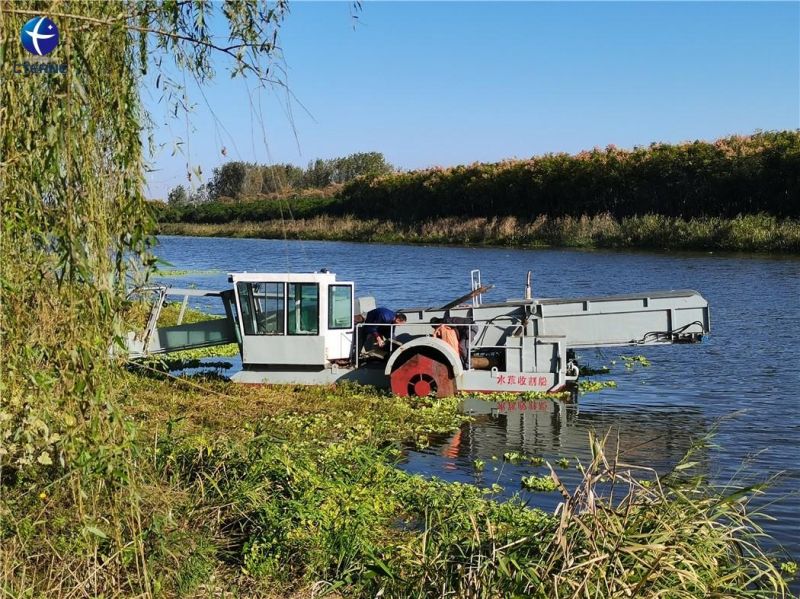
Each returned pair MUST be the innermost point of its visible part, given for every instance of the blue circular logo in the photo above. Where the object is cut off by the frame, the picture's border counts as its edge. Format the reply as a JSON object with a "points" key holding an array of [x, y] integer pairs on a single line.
{"points": [[39, 36]]}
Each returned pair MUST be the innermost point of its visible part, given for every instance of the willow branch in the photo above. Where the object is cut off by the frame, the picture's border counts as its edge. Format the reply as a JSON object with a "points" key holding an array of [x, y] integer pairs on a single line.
{"points": [[225, 49]]}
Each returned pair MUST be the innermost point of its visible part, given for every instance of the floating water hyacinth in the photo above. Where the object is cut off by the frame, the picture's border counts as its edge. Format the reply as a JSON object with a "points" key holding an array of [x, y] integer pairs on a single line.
{"points": [[630, 361], [513, 457], [592, 386], [538, 483], [184, 273]]}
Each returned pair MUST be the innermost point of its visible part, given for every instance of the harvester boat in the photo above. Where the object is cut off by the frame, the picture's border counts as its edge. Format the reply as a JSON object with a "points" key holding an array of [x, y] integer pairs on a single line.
{"points": [[302, 328]]}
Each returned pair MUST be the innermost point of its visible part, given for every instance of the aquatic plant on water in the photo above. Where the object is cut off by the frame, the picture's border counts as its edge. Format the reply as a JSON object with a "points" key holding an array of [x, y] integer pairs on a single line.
{"points": [[631, 361], [513, 457], [538, 483], [590, 386]]}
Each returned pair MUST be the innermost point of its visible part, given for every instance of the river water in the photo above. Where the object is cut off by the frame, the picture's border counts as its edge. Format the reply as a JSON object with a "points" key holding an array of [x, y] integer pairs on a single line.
{"points": [[742, 383]]}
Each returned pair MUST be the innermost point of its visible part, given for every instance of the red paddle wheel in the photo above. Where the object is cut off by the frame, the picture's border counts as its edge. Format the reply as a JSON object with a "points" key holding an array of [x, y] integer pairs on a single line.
{"points": [[421, 376]]}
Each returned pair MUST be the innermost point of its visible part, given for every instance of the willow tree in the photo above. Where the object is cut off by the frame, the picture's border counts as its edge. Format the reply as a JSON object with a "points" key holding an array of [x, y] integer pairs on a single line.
{"points": [[74, 222]]}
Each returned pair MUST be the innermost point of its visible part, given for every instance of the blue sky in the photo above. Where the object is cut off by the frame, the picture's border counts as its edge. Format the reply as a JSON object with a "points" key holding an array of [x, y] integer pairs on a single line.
{"points": [[450, 82]]}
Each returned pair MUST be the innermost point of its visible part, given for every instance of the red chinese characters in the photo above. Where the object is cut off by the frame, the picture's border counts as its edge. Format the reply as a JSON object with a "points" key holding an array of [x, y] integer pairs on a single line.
{"points": [[505, 407], [526, 380]]}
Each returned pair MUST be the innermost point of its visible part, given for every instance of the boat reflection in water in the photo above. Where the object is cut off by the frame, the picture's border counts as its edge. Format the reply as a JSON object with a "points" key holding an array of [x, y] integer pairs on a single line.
{"points": [[655, 436]]}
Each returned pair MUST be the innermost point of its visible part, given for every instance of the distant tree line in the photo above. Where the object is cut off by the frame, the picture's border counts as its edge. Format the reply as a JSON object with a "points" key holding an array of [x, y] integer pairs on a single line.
{"points": [[238, 181], [752, 174], [294, 207]]}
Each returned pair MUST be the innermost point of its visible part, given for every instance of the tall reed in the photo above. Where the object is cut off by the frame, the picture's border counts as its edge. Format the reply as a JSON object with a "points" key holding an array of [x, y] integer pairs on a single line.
{"points": [[753, 233]]}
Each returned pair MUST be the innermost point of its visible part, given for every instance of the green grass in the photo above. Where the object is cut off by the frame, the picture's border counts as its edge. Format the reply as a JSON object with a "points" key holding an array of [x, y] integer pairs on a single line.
{"points": [[283, 490]]}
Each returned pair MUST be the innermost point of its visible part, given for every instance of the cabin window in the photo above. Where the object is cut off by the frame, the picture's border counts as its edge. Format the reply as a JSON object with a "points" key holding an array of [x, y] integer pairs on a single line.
{"points": [[340, 307], [303, 309], [263, 308]]}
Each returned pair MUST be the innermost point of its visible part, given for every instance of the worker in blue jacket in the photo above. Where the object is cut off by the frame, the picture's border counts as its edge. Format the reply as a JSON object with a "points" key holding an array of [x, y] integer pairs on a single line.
{"points": [[377, 327]]}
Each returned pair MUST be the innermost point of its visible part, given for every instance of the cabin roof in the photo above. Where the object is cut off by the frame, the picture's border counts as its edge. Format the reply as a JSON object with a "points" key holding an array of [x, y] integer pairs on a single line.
{"points": [[278, 277]]}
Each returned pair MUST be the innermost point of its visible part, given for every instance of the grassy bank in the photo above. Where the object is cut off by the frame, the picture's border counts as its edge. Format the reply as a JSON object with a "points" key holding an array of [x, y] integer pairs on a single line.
{"points": [[755, 233], [282, 491]]}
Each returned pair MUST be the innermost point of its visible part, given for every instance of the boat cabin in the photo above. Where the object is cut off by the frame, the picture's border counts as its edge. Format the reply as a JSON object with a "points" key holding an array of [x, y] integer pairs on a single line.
{"points": [[293, 319]]}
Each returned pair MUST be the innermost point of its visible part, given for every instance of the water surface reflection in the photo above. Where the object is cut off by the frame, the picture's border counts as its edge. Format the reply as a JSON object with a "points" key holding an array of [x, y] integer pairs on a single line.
{"points": [[656, 436]]}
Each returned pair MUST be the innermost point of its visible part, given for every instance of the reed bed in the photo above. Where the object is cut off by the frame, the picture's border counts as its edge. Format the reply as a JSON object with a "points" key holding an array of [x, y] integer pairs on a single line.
{"points": [[739, 174], [751, 233]]}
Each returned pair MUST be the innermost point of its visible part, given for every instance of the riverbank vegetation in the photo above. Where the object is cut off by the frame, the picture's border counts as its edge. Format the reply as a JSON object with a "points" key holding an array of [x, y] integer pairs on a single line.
{"points": [[118, 480], [740, 193], [752, 233], [287, 491], [759, 173]]}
